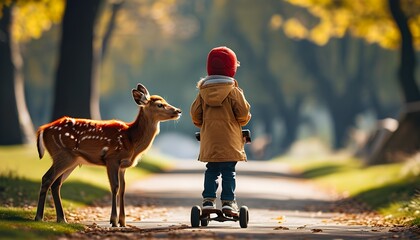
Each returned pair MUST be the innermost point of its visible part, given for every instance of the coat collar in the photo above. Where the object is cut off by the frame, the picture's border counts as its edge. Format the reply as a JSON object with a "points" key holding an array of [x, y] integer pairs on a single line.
{"points": [[214, 79]]}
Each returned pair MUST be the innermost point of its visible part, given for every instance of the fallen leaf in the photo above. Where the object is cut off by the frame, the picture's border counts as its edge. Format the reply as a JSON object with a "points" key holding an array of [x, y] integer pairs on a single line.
{"points": [[302, 227], [316, 230], [281, 228], [396, 229], [280, 219]]}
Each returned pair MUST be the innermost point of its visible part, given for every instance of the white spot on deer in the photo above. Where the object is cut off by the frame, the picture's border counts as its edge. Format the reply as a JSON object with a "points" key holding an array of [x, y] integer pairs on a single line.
{"points": [[71, 136], [59, 128], [67, 134]]}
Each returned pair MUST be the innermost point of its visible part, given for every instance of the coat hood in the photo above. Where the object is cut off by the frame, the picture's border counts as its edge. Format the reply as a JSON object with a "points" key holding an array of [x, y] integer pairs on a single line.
{"points": [[215, 88]]}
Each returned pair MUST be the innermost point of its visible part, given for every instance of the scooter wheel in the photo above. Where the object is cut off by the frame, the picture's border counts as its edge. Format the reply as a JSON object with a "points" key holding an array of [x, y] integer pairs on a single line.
{"points": [[195, 216], [243, 217], [204, 222]]}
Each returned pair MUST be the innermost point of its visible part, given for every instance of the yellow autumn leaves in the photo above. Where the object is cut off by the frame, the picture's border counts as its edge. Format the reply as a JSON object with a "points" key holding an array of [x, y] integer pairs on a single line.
{"points": [[367, 19], [31, 18]]}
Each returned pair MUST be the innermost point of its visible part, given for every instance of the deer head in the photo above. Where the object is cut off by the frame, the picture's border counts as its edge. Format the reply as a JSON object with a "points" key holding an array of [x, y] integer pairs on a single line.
{"points": [[155, 106]]}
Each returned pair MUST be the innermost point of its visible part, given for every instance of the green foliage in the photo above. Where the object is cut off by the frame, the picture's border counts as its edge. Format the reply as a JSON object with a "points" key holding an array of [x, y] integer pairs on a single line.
{"points": [[18, 223], [17, 191], [325, 169], [411, 209]]}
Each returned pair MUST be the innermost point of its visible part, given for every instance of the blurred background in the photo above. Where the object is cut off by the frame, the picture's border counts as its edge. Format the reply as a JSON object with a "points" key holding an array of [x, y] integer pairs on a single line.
{"points": [[334, 74]]}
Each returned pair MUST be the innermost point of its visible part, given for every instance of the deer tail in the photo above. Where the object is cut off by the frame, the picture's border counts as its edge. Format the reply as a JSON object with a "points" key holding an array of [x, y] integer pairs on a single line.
{"points": [[40, 143]]}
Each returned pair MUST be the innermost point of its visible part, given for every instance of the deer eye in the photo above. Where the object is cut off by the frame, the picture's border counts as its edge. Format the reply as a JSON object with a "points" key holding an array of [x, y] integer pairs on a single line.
{"points": [[160, 105]]}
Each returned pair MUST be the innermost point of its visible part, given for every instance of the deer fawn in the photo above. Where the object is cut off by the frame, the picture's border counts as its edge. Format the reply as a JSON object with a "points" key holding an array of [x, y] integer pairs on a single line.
{"points": [[114, 144]]}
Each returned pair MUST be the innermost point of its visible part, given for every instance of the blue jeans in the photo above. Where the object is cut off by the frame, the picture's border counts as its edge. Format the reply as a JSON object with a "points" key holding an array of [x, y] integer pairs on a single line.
{"points": [[211, 183]]}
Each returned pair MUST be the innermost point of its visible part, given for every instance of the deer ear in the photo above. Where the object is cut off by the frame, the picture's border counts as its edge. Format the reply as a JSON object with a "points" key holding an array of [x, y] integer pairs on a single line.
{"points": [[143, 89], [139, 97]]}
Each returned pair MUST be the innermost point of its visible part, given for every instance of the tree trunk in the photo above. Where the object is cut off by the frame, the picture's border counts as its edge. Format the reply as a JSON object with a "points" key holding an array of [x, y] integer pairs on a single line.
{"points": [[74, 79], [100, 50], [15, 123], [406, 71], [405, 141]]}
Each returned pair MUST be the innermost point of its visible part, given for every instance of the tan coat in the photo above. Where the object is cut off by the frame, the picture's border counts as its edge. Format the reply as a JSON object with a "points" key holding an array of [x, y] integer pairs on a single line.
{"points": [[220, 110]]}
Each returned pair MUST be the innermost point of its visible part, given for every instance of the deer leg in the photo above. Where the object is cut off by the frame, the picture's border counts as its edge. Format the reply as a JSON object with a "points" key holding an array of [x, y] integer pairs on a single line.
{"points": [[45, 185], [112, 170], [55, 191], [121, 219], [48, 179]]}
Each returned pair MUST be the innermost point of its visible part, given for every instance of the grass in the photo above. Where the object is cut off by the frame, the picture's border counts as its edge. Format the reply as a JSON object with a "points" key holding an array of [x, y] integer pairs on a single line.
{"points": [[391, 189], [20, 179], [17, 223]]}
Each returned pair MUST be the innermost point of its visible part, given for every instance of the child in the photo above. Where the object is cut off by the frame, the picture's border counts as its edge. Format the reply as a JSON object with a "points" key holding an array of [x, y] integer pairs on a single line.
{"points": [[220, 110]]}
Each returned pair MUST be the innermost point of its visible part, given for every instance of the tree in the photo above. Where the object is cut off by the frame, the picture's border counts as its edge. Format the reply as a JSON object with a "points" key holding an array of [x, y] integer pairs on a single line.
{"points": [[9, 121], [388, 23], [15, 122], [410, 89], [403, 142], [74, 84]]}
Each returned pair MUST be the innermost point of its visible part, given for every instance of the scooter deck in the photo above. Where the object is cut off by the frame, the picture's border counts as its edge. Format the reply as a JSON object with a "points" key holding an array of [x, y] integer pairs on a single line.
{"points": [[221, 217]]}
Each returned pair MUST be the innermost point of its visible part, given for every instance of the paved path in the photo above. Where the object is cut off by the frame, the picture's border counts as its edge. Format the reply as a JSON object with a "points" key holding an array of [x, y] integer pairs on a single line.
{"points": [[280, 205]]}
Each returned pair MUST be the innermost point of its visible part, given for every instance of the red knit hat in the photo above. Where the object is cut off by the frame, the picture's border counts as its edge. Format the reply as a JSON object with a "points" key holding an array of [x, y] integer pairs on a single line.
{"points": [[222, 61]]}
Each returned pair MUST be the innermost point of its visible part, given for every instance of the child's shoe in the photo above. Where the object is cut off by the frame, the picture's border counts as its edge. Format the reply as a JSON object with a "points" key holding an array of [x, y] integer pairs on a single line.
{"points": [[230, 208], [209, 203]]}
